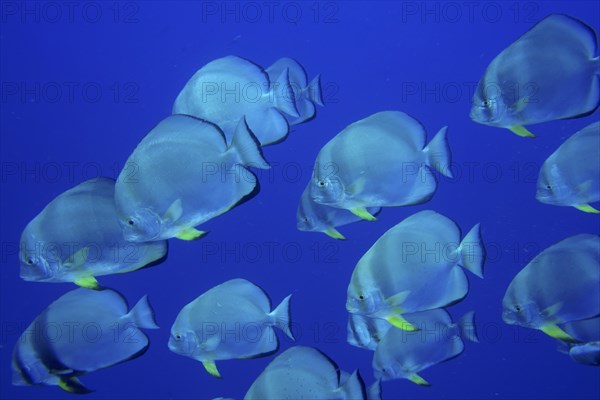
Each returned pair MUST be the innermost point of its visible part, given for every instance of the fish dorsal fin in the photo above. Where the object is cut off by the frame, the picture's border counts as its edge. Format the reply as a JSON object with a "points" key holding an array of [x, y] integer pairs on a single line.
{"points": [[211, 368], [521, 131], [77, 259], [174, 212]]}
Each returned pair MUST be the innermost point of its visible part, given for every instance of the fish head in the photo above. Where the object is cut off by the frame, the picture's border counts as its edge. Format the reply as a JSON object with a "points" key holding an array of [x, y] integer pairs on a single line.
{"points": [[550, 187], [38, 261], [328, 190], [488, 107], [519, 312], [365, 302], [387, 370], [304, 220], [142, 225], [183, 342]]}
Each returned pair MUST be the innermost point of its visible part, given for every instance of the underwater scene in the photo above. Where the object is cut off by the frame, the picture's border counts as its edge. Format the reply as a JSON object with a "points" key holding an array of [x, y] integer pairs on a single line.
{"points": [[299, 200]]}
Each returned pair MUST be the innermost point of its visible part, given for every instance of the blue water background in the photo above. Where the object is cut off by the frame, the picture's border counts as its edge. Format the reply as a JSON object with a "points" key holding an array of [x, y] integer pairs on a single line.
{"points": [[126, 66]]}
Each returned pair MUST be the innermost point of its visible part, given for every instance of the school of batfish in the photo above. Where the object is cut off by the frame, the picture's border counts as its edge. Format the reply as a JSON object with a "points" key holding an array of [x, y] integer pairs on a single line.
{"points": [[396, 291]]}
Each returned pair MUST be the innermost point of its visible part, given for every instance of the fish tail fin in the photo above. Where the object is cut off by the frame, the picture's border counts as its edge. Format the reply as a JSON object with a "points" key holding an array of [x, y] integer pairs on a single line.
{"points": [[313, 91], [282, 318], [73, 385], [374, 391], [467, 327], [354, 387], [438, 153], [283, 94], [247, 146], [142, 314], [472, 251]]}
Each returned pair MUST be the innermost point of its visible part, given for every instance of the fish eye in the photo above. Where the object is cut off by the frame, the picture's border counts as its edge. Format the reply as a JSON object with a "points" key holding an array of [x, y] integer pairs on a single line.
{"points": [[130, 222], [518, 308], [361, 297], [548, 187], [177, 336], [30, 261], [321, 183]]}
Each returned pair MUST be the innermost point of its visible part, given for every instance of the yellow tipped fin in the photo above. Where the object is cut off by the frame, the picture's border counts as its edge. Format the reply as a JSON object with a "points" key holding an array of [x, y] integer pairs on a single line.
{"points": [[556, 332], [415, 378], [332, 232], [72, 385], [587, 208], [78, 259], [190, 234], [399, 322], [88, 282], [521, 131], [211, 368], [363, 213]]}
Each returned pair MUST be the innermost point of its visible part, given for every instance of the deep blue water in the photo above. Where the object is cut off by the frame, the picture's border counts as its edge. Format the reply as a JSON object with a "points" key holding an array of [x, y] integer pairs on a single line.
{"points": [[82, 82]]}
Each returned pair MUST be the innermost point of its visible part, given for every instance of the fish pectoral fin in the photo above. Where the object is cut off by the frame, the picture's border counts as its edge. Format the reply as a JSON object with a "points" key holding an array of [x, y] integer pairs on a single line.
{"points": [[521, 104], [521, 131], [211, 368], [333, 233], [77, 259], [88, 282], [401, 323], [190, 234], [363, 213], [587, 208], [397, 300], [415, 378], [357, 186], [72, 385], [556, 332], [174, 212]]}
